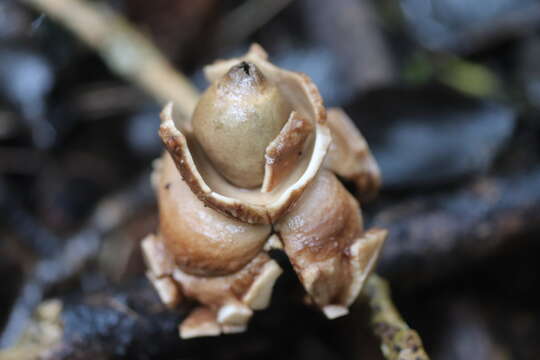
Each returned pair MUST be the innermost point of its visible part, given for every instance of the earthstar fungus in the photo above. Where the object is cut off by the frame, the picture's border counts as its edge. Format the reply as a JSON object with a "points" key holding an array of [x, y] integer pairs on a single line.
{"points": [[255, 169]]}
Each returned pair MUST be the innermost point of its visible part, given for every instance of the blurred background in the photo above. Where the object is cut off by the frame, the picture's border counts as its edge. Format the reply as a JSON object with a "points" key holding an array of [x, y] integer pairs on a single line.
{"points": [[447, 93]]}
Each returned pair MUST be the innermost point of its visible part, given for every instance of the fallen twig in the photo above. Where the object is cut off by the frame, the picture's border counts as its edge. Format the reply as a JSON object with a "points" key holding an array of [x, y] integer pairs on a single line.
{"points": [[127, 51], [435, 235], [399, 342]]}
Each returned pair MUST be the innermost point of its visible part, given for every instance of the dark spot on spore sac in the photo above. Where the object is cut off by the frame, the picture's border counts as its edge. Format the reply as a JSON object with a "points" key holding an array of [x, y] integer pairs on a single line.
{"points": [[167, 186], [245, 66]]}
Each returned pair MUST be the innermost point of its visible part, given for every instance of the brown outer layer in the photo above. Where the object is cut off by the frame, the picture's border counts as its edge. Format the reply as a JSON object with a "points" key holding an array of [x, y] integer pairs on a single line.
{"points": [[217, 291], [202, 241], [318, 236], [285, 151], [225, 299], [226, 302], [349, 155]]}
